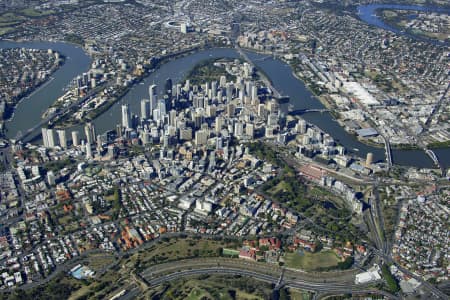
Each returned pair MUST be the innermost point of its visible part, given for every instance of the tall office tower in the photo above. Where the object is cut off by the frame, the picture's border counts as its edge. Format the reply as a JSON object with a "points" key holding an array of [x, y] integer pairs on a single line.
{"points": [[89, 131], [168, 87], [187, 86], [75, 138], [126, 116], [198, 119], [254, 93], [241, 96], [119, 130], [223, 81], [178, 90], [88, 151], [145, 109], [156, 114], [301, 126], [369, 159], [230, 110], [261, 110], [201, 137], [238, 129], [44, 137], [248, 87], [153, 94], [173, 118], [229, 92], [186, 134], [211, 111], [162, 107], [272, 120], [62, 138], [212, 160], [250, 130], [219, 124], [272, 106], [48, 138], [213, 89], [219, 143]]}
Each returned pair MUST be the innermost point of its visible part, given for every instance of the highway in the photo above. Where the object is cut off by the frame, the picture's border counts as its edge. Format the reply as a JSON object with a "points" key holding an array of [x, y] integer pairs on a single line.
{"points": [[330, 288]]}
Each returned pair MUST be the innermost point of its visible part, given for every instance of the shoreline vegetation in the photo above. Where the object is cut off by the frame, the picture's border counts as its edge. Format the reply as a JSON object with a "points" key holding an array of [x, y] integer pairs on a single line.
{"points": [[11, 107]]}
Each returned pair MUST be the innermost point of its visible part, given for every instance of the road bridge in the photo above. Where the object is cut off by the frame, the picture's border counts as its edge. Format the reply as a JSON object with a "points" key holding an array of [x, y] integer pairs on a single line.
{"points": [[435, 159], [388, 151], [307, 110]]}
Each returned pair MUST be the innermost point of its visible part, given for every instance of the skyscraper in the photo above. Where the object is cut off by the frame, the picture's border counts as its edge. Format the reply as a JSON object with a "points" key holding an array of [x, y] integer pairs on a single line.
{"points": [[89, 131], [75, 138], [126, 116], [48, 138], [153, 97], [145, 109], [62, 138]]}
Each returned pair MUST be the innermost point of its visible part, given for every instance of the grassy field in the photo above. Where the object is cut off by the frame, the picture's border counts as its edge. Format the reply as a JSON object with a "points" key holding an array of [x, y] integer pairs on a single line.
{"points": [[178, 249], [299, 295], [311, 261], [214, 287]]}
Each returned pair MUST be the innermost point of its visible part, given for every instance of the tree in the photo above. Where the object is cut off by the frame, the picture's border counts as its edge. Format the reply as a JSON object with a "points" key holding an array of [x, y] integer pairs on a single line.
{"points": [[390, 279]]}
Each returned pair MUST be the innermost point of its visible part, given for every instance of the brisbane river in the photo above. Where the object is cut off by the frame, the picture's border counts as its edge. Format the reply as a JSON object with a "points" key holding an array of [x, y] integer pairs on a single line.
{"points": [[29, 111]]}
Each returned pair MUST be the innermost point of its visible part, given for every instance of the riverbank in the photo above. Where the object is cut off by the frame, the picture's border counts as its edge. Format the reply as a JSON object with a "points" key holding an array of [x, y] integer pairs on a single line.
{"points": [[64, 123], [37, 85]]}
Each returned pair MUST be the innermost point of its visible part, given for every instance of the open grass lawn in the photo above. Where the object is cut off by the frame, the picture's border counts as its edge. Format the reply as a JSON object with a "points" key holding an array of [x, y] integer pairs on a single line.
{"points": [[311, 261], [215, 287], [299, 295], [31, 12], [181, 248]]}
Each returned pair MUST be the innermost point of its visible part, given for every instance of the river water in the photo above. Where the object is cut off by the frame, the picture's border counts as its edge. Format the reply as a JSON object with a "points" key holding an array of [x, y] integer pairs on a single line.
{"points": [[29, 111], [368, 14]]}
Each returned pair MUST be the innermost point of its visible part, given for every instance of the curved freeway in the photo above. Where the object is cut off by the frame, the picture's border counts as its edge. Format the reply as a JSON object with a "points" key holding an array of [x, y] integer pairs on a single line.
{"points": [[319, 287]]}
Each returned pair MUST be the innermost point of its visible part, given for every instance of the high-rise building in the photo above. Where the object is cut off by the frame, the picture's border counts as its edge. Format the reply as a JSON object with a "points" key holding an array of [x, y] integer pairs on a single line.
{"points": [[126, 116], [201, 137], [254, 93], [223, 81], [238, 129], [62, 138], [250, 130], [219, 124], [173, 118], [369, 159], [89, 131], [75, 138], [88, 151], [162, 107], [153, 97], [168, 87], [186, 134], [301, 126], [145, 109], [230, 110], [213, 89], [48, 138]]}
